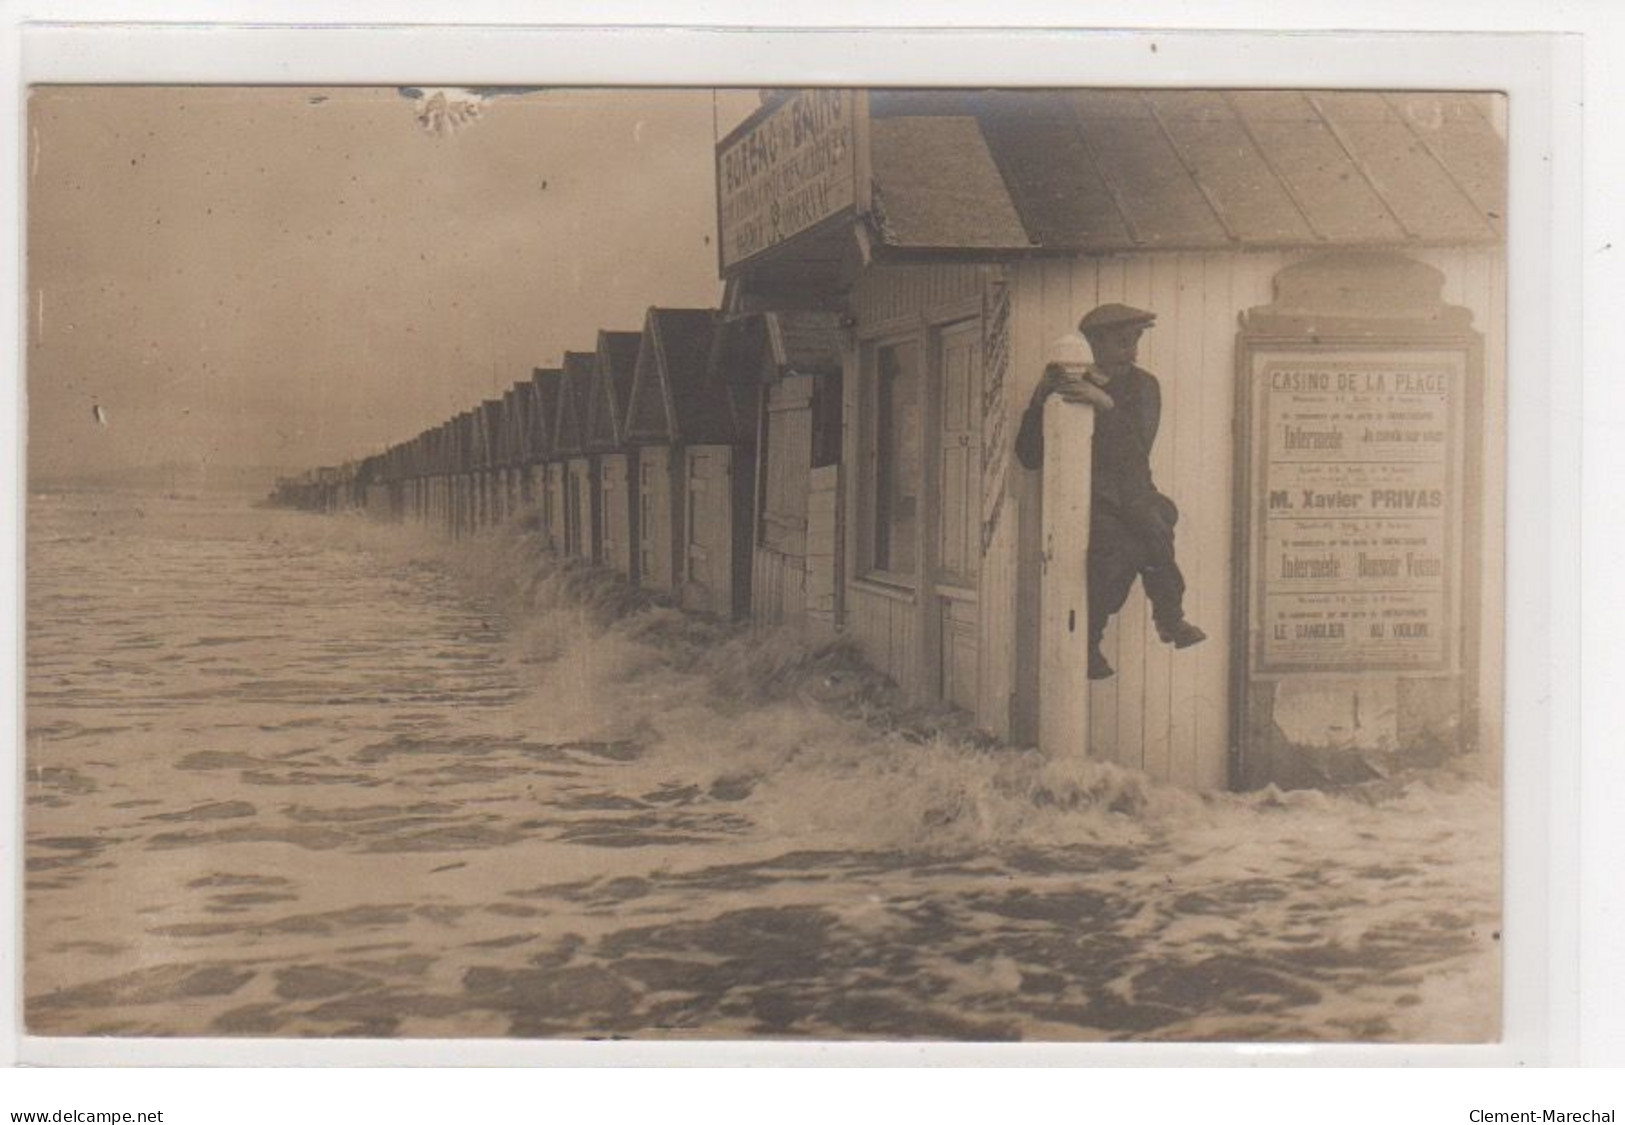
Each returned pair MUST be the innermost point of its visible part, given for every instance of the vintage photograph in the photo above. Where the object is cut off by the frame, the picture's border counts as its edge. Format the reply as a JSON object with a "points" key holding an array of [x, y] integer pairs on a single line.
{"points": [[973, 565]]}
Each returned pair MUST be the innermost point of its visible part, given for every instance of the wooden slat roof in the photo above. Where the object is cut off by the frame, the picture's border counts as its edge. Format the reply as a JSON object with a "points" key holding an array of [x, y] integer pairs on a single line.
{"points": [[807, 342], [1104, 170], [753, 346]]}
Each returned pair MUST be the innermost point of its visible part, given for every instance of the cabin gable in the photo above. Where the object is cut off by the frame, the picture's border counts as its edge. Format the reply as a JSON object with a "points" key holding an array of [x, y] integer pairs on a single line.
{"points": [[544, 411], [674, 398], [697, 402], [488, 427], [521, 422], [507, 445], [570, 435], [649, 419], [613, 373]]}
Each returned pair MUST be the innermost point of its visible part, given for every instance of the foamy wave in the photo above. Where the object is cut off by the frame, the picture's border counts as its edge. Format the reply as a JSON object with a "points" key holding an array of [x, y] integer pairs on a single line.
{"points": [[826, 748]]}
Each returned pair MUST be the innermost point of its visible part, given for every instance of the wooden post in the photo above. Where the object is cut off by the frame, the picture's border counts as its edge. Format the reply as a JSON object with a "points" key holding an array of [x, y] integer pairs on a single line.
{"points": [[1063, 660]]}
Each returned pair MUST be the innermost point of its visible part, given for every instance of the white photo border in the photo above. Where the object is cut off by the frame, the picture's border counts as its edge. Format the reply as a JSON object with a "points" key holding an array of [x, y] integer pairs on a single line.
{"points": [[1540, 71]]}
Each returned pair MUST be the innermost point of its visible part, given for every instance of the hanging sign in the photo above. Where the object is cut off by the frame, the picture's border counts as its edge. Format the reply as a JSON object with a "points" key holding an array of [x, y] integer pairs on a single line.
{"points": [[787, 169]]}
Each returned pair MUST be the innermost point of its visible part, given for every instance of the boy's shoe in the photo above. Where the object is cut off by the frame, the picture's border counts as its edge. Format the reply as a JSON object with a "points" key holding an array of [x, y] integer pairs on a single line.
{"points": [[1180, 634]]}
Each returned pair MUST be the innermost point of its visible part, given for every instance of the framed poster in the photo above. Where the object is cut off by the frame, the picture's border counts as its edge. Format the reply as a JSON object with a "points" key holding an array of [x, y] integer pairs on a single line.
{"points": [[1361, 491]]}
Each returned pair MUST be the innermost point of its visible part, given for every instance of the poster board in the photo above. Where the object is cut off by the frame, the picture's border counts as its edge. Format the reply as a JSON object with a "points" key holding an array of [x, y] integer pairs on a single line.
{"points": [[1355, 554], [1358, 488]]}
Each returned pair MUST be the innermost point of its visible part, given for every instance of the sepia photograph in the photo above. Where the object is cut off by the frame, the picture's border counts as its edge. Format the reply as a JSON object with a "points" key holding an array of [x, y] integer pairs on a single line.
{"points": [[974, 565]]}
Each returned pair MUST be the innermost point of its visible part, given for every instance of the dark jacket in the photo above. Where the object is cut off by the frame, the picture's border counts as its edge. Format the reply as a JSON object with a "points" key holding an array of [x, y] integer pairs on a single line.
{"points": [[1124, 436]]}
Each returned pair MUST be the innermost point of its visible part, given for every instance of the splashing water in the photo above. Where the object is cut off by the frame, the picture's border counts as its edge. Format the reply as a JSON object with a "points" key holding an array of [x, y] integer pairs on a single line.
{"points": [[295, 775]]}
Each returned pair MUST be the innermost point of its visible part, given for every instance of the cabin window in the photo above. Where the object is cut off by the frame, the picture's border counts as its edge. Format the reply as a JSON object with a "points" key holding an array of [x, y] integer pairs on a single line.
{"points": [[826, 420], [894, 493]]}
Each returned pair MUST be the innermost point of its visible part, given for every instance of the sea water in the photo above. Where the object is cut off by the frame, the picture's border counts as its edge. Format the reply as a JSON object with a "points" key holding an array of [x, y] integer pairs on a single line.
{"points": [[301, 775]]}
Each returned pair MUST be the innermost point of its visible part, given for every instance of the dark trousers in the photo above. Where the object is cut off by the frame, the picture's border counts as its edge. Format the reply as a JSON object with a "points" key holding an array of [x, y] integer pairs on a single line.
{"points": [[1133, 540]]}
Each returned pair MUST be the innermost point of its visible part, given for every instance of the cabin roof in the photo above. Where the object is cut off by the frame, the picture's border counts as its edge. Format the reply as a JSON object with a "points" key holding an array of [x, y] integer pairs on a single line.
{"points": [[505, 447], [575, 380], [1113, 170], [616, 364], [519, 428], [544, 411], [673, 400], [806, 343], [488, 431], [770, 345]]}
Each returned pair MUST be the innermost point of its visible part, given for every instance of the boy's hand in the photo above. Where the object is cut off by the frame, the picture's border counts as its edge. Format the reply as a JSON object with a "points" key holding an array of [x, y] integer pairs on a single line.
{"points": [[1075, 388]]}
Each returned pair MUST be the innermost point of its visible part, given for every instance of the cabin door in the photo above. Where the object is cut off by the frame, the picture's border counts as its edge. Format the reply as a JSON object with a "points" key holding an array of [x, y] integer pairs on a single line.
{"points": [[959, 491], [708, 538], [572, 514], [655, 503], [780, 586], [612, 485]]}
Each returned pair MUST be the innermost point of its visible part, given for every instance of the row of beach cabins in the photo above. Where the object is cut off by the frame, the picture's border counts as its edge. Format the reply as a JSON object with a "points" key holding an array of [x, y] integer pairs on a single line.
{"points": [[639, 455], [831, 451]]}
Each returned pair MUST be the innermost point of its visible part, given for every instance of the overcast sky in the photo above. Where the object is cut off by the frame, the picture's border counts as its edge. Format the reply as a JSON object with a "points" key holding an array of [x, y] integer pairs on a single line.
{"points": [[285, 276]]}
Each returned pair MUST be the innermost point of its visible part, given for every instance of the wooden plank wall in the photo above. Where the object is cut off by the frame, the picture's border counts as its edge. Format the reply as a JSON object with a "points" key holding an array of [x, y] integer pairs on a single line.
{"points": [[583, 495], [883, 624], [704, 581], [778, 588], [823, 549], [1477, 280], [1167, 712], [887, 295], [557, 504], [886, 621], [778, 565], [741, 529], [659, 516], [615, 486]]}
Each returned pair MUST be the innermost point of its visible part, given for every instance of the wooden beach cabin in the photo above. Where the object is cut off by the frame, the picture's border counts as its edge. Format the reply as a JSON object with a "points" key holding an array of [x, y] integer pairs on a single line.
{"points": [[445, 463], [578, 480], [401, 473], [1317, 261], [463, 478], [528, 454], [488, 469], [694, 494], [473, 468], [783, 371], [424, 484], [616, 360], [402, 476], [510, 453], [440, 479], [546, 474], [405, 474]]}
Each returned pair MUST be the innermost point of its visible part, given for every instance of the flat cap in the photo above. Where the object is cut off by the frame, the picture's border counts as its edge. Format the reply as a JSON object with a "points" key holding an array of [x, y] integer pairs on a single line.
{"points": [[1116, 316]]}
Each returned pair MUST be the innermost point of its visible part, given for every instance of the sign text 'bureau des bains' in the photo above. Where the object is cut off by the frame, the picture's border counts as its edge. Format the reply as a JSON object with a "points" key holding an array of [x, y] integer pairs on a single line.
{"points": [[785, 171]]}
